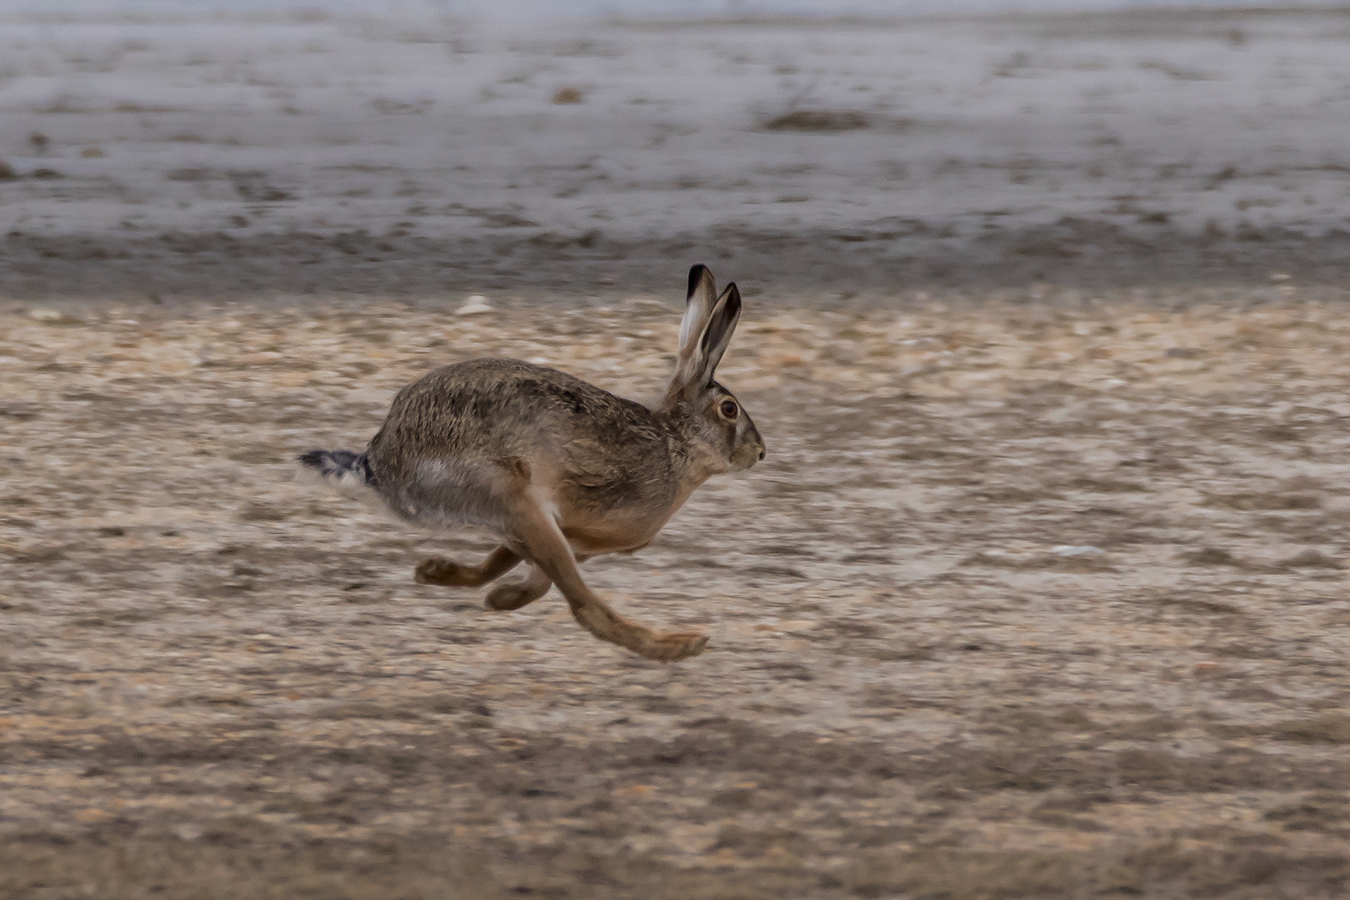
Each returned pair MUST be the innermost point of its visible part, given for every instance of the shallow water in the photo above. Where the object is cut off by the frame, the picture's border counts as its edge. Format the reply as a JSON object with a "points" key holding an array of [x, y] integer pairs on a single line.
{"points": [[263, 154], [522, 10]]}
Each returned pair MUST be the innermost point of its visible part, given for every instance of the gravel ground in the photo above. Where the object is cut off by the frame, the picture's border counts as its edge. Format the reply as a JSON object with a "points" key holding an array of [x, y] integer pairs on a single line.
{"points": [[1036, 594]]}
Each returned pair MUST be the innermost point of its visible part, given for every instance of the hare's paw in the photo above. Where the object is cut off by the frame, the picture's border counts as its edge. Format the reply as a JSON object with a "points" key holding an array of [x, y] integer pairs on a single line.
{"points": [[445, 573], [513, 595], [674, 646]]}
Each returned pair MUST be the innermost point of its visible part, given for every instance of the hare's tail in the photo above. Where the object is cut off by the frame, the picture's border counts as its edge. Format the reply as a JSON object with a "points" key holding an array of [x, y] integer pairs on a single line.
{"points": [[343, 468]]}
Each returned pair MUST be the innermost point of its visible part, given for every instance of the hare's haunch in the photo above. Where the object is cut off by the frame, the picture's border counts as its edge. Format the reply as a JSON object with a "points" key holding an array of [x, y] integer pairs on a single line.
{"points": [[559, 469]]}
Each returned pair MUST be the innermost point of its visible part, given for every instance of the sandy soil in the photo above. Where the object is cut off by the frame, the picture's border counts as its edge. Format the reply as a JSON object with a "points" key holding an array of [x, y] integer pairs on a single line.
{"points": [[1029, 599]]}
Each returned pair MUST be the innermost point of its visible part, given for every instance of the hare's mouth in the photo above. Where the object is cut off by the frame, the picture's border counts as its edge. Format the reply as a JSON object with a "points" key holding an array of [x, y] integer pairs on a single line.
{"points": [[747, 457]]}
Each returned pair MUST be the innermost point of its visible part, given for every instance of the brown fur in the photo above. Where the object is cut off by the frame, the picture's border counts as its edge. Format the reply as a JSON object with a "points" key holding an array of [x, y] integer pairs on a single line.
{"points": [[560, 469]]}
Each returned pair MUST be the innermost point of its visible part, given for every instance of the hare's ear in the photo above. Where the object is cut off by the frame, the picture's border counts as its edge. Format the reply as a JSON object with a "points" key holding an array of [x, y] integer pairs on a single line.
{"points": [[706, 331], [698, 307], [717, 336]]}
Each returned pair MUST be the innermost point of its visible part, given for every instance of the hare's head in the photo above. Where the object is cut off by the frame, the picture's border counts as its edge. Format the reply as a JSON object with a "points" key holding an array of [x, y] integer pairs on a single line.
{"points": [[708, 413]]}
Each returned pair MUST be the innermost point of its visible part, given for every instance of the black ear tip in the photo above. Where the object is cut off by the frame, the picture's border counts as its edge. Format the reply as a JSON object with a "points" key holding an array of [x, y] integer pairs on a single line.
{"points": [[696, 272], [733, 297]]}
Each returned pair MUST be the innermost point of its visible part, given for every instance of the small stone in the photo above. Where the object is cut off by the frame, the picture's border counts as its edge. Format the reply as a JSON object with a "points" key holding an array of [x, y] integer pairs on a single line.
{"points": [[818, 120], [1311, 559], [92, 815], [45, 314], [1076, 551], [1211, 556], [475, 305]]}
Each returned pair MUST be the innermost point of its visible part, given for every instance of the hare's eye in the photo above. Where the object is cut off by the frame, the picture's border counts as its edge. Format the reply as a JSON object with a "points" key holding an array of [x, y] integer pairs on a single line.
{"points": [[729, 409]]}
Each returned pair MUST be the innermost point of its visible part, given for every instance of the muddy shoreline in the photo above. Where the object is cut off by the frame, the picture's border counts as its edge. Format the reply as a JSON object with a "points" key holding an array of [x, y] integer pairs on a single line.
{"points": [[237, 157], [178, 268]]}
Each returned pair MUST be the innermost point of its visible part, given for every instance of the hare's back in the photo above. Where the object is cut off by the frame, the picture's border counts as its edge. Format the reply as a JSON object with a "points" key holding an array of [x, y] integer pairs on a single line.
{"points": [[495, 408]]}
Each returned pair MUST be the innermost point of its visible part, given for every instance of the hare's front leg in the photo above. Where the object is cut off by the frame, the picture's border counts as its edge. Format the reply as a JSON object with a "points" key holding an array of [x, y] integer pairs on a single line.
{"points": [[450, 574], [541, 539]]}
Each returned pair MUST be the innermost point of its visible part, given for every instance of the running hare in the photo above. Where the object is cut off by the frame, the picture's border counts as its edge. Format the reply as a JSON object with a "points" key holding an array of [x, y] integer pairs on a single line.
{"points": [[559, 469]]}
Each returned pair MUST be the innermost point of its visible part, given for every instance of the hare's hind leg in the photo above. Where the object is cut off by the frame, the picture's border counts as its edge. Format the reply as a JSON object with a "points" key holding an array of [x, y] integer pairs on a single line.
{"points": [[545, 545], [515, 594], [450, 574]]}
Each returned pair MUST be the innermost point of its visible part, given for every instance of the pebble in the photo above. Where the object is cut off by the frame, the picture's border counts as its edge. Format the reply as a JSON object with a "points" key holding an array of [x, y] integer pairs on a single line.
{"points": [[475, 305], [1077, 550]]}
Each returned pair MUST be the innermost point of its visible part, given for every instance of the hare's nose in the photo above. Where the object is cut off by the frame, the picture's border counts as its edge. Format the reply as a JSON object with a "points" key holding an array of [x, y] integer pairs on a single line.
{"points": [[761, 452]]}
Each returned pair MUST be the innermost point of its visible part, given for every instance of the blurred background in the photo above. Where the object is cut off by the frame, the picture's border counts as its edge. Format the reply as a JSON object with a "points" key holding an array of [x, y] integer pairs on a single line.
{"points": [[166, 148], [592, 8]]}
